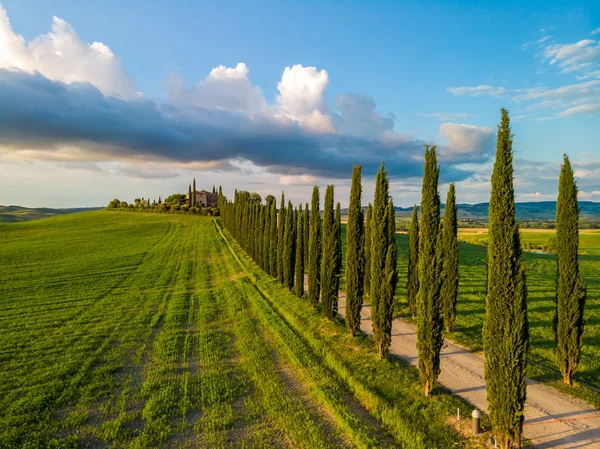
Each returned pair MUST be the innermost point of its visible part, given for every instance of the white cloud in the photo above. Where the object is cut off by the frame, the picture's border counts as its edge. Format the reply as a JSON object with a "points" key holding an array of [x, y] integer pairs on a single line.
{"points": [[465, 139], [291, 180], [582, 109], [302, 97], [475, 91], [573, 57], [596, 31], [224, 88], [359, 117], [61, 55]]}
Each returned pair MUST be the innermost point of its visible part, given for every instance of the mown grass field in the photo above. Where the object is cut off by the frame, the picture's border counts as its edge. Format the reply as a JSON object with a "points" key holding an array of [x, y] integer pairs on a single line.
{"points": [[541, 278], [154, 330]]}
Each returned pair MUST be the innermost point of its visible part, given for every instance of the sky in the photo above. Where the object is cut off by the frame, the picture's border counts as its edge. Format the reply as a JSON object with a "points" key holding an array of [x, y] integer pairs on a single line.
{"points": [[125, 99]]}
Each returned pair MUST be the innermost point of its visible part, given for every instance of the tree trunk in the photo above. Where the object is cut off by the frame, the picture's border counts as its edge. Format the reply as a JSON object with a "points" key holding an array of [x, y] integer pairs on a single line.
{"points": [[568, 379], [427, 391]]}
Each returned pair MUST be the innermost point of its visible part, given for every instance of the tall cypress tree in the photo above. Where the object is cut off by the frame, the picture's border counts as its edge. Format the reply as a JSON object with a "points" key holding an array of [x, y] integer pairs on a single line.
{"points": [[449, 291], [189, 195], [412, 285], [505, 330], [289, 249], [570, 292], [299, 273], [280, 239], [314, 250], [429, 306], [329, 257], [194, 194], [383, 263], [266, 237], [367, 283], [338, 255], [273, 238], [355, 256], [306, 235]]}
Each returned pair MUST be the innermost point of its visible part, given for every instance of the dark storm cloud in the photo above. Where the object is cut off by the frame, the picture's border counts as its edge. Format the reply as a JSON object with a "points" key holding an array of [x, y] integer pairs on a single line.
{"points": [[36, 113]]}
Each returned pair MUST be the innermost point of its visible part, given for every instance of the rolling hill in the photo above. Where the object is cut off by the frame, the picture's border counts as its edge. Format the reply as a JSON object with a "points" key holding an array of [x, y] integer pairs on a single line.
{"points": [[16, 214], [542, 210]]}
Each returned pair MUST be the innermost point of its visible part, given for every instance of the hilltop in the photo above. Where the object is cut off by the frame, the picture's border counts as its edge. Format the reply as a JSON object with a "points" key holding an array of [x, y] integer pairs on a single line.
{"points": [[542, 210], [16, 214]]}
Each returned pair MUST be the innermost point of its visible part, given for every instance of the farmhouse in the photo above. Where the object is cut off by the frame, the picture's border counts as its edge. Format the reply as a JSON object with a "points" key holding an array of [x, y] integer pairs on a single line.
{"points": [[208, 199]]}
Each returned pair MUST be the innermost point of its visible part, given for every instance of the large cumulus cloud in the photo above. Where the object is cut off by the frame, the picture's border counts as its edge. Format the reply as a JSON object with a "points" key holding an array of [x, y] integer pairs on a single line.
{"points": [[65, 99]]}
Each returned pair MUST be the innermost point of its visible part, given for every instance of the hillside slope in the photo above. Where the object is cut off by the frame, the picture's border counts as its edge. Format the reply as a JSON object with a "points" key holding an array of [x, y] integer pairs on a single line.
{"points": [[17, 214]]}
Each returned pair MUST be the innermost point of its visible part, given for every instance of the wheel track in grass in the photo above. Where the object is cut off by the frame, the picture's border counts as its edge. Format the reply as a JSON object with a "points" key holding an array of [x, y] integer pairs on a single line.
{"points": [[285, 392], [308, 358]]}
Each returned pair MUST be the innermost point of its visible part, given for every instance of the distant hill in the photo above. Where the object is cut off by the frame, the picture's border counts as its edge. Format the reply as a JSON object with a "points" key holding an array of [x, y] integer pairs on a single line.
{"points": [[15, 214], [542, 210]]}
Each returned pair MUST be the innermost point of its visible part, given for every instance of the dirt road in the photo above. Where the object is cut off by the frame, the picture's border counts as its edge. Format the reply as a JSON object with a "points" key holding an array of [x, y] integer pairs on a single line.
{"points": [[552, 419]]}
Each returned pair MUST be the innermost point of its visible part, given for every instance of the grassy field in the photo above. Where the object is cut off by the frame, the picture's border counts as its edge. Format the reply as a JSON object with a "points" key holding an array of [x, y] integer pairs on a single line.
{"points": [[541, 276], [154, 330]]}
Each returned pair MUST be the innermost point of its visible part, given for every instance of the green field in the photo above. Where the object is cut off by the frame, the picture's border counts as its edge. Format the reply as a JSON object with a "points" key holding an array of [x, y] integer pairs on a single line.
{"points": [[154, 330], [541, 276]]}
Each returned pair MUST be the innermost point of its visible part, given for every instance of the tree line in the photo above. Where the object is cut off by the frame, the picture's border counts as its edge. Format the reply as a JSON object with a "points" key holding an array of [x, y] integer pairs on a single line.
{"points": [[289, 242]]}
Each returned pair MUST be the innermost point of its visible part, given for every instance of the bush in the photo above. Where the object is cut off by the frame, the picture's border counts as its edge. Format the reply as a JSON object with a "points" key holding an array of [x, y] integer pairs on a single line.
{"points": [[184, 208], [175, 207]]}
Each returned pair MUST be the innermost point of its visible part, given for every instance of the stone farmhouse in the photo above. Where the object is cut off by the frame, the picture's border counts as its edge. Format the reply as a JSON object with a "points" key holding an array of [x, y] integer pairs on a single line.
{"points": [[208, 199]]}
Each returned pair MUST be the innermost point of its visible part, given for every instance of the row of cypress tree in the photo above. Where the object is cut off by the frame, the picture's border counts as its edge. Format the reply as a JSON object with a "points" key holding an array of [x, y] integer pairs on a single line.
{"points": [[294, 241], [288, 242]]}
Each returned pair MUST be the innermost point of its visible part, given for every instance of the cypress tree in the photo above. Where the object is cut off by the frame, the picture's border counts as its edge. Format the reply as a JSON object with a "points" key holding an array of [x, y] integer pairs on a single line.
{"points": [[355, 257], [306, 235], [367, 251], [280, 240], [338, 254], [570, 292], [329, 258], [189, 195], [505, 330], [449, 291], [266, 237], [429, 307], [314, 250], [412, 285], [273, 238], [289, 249], [299, 274], [383, 263], [194, 194]]}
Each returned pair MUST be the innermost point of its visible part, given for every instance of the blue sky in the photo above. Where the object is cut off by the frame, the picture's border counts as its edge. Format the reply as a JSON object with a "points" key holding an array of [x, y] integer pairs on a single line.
{"points": [[436, 73]]}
